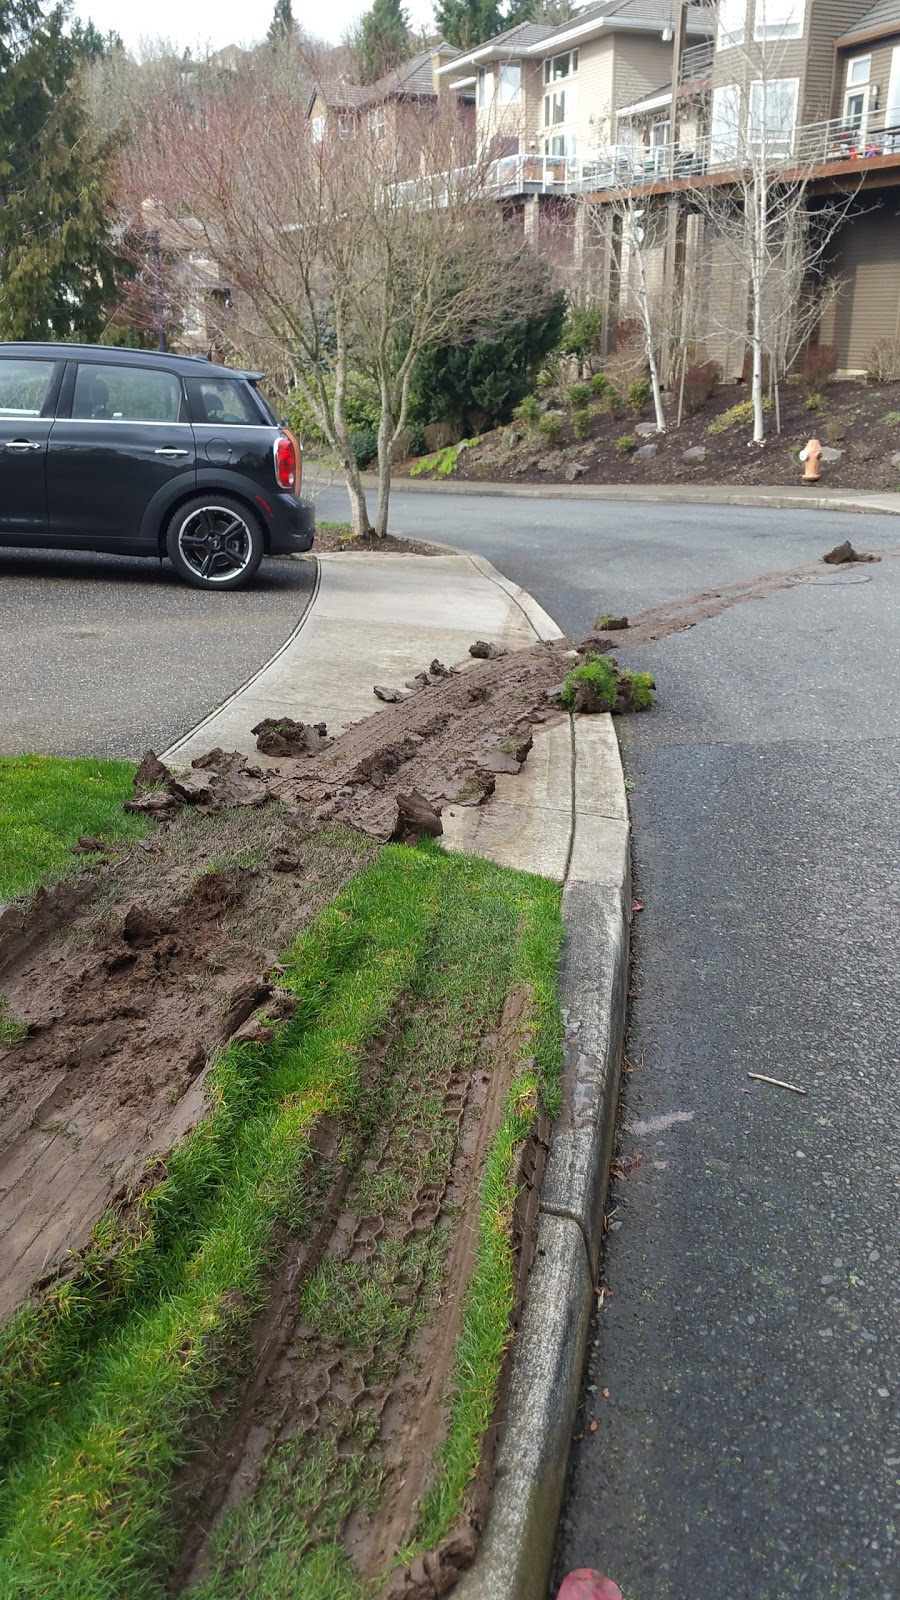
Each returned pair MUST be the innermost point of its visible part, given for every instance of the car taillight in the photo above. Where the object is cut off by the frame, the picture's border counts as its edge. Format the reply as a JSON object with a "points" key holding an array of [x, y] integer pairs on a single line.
{"points": [[287, 463]]}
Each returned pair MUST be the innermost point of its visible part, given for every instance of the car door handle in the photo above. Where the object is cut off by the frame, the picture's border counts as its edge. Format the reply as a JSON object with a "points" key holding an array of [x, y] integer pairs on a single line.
{"points": [[23, 444], [171, 452]]}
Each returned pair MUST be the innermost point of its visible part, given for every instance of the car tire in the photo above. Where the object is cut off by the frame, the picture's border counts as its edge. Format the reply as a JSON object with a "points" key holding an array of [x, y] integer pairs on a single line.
{"points": [[215, 542]]}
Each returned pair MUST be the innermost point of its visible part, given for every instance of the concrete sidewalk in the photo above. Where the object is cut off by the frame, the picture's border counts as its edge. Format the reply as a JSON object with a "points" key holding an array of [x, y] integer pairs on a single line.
{"points": [[372, 619]]}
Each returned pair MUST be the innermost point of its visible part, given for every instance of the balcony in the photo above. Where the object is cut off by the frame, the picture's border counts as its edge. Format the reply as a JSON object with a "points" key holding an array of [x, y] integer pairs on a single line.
{"points": [[696, 62]]}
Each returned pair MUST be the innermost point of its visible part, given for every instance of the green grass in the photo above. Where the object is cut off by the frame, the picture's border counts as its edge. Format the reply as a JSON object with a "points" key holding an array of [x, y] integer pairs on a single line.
{"points": [[11, 1031], [46, 804], [102, 1380], [600, 673]]}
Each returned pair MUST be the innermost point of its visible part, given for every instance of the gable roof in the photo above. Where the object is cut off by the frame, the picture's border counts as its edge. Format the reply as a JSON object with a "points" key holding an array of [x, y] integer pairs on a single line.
{"points": [[884, 17], [534, 38], [413, 80]]}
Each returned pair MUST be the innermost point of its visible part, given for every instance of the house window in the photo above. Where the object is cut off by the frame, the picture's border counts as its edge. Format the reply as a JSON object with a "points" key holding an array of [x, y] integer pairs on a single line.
{"points": [[856, 104], [554, 108], [732, 16], [561, 144], [376, 122], [318, 129], [659, 133], [779, 19], [345, 127], [510, 82], [859, 70], [723, 138], [484, 94], [560, 66], [773, 112]]}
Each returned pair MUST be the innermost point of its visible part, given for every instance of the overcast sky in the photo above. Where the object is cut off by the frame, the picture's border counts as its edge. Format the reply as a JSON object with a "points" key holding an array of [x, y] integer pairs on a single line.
{"points": [[220, 22]]}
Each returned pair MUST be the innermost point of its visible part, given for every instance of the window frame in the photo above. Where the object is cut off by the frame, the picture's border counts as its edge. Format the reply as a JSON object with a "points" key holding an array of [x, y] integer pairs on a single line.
{"points": [[727, 36], [550, 73], [514, 99], [377, 122], [778, 32], [51, 393], [484, 98], [549, 120], [181, 420], [859, 61], [766, 84], [726, 140]]}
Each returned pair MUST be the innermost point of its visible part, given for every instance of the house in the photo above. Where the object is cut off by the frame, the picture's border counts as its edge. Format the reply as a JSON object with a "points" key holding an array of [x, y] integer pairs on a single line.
{"points": [[392, 107]]}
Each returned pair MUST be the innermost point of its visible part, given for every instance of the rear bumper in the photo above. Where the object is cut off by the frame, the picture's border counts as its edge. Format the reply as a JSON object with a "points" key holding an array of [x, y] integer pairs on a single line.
{"points": [[292, 525]]}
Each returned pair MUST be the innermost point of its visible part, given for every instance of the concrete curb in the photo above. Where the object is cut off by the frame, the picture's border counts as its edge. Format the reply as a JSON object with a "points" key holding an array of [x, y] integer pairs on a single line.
{"points": [[516, 1551], [774, 499]]}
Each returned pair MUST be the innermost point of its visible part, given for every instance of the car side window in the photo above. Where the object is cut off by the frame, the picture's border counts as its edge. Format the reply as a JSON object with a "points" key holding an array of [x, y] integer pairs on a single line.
{"points": [[221, 400], [125, 394], [24, 386]]}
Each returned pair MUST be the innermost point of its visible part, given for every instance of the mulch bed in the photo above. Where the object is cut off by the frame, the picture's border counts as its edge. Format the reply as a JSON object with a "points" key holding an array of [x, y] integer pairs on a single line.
{"points": [[331, 541]]}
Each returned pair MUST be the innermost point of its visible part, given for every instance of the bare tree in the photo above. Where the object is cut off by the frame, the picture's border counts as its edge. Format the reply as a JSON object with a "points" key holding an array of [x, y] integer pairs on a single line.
{"points": [[641, 288], [350, 253]]}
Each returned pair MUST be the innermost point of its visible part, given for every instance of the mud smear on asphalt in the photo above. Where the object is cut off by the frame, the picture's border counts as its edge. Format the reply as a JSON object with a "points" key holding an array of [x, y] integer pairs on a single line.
{"points": [[320, 1388], [675, 616], [129, 981]]}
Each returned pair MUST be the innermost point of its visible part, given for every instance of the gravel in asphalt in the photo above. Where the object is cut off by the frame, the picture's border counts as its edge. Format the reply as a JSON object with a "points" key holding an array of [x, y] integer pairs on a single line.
{"points": [[749, 1448], [111, 655]]}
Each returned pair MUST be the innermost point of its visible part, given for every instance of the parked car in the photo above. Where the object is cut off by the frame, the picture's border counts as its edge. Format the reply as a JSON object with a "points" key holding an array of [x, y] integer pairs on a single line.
{"points": [[145, 454]]}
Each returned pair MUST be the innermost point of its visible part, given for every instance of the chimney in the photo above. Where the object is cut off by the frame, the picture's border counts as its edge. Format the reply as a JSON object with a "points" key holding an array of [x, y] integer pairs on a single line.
{"points": [[439, 84]]}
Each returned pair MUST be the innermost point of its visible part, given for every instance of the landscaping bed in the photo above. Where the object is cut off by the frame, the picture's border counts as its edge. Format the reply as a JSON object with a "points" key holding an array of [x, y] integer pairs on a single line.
{"points": [[859, 421], [275, 1096]]}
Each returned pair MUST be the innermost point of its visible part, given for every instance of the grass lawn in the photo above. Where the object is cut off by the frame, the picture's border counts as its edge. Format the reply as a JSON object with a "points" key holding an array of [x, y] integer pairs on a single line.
{"points": [[46, 804], [123, 1373]]}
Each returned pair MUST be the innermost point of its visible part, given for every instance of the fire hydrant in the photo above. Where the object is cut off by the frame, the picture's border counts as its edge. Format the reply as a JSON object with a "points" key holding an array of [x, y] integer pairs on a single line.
{"points": [[810, 455]]}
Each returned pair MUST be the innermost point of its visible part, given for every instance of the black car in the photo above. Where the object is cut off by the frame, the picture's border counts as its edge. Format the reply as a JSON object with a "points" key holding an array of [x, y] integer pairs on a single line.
{"points": [[146, 454]]}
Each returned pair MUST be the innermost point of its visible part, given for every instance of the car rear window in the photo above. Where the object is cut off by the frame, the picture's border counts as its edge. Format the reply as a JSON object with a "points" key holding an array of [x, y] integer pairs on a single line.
{"points": [[125, 394], [222, 401], [23, 387]]}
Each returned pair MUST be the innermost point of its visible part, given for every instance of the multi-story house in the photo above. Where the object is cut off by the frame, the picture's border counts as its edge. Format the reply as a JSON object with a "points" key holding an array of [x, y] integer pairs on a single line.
{"points": [[392, 108], [666, 97]]}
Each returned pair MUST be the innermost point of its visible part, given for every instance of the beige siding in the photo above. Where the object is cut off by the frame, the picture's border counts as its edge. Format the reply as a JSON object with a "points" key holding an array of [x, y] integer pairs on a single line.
{"points": [[881, 51], [829, 19], [868, 309], [596, 98], [643, 65]]}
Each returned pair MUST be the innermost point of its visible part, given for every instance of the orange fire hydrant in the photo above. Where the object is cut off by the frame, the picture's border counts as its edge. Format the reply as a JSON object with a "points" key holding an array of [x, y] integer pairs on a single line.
{"points": [[810, 455]]}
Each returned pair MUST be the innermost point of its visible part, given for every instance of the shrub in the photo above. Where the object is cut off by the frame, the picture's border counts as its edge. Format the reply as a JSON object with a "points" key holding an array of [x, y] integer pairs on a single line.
{"points": [[638, 395], [581, 423], [700, 382], [627, 442], [582, 331], [814, 402], [364, 444], [579, 395], [528, 410], [883, 361], [599, 383], [739, 416], [479, 381], [442, 462], [600, 675], [816, 367], [612, 399], [550, 426], [891, 418]]}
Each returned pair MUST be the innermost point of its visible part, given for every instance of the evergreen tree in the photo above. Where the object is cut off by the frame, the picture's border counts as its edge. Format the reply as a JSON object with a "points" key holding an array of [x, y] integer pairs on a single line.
{"points": [[282, 25], [467, 23], [56, 264], [381, 41]]}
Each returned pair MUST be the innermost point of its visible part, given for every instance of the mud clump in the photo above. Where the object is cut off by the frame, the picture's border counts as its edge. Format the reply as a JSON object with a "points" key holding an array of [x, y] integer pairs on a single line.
{"points": [[483, 651], [282, 736], [222, 778], [845, 552]]}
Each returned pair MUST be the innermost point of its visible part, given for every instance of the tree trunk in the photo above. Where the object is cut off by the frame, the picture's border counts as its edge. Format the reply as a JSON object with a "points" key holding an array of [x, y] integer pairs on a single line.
{"points": [[385, 449], [647, 320], [359, 512], [758, 247]]}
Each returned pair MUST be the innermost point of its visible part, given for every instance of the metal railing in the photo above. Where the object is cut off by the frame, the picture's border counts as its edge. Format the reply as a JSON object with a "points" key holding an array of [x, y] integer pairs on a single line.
{"points": [[631, 165], [696, 61]]}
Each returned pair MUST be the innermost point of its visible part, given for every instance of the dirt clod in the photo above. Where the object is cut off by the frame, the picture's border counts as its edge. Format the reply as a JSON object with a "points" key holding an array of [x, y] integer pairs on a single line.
{"points": [[845, 552], [483, 651], [282, 736], [88, 845], [151, 772]]}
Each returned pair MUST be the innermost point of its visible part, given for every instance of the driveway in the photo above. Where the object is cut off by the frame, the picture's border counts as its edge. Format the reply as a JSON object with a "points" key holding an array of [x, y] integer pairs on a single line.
{"points": [[112, 655], [749, 1444]]}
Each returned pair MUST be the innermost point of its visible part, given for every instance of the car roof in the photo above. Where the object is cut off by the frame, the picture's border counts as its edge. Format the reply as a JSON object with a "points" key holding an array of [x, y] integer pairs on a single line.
{"points": [[122, 355]]}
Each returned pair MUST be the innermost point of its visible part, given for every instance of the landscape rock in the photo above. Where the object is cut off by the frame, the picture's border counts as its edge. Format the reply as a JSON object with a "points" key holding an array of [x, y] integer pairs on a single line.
{"points": [[646, 452], [895, 459], [697, 453], [830, 454], [646, 430], [575, 470]]}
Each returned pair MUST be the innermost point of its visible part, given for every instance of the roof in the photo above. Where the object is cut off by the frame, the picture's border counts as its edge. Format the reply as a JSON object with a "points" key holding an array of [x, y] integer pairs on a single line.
{"points": [[413, 79], [884, 17], [119, 356], [533, 38]]}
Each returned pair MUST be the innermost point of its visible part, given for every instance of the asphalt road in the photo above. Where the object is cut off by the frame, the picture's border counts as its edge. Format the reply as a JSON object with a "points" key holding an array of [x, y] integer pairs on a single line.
{"points": [[112, 655], [749, 1447]]}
